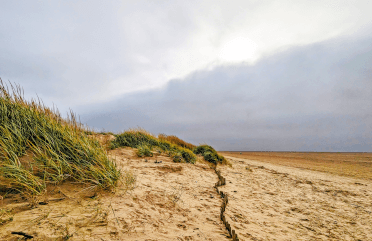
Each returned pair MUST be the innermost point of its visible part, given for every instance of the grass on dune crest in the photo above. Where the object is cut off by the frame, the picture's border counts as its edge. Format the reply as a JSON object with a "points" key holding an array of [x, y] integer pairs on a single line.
{"points": [[141, 139], [38, 147], [176, 140], [180, 150]]}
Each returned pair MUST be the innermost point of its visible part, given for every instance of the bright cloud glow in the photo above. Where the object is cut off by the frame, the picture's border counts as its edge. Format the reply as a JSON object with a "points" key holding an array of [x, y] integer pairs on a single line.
{"points": [[238, 49]]}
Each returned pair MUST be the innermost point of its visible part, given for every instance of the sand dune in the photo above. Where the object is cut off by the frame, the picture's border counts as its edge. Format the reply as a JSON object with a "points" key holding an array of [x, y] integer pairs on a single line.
{"points": [[171, 201]]}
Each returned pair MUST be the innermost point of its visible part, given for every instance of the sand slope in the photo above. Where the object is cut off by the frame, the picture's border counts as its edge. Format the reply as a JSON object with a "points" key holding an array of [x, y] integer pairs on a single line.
{"points": [[171, 201]]}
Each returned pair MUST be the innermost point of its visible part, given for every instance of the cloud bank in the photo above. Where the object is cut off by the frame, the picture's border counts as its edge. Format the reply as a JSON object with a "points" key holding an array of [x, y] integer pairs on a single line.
{"points": [[74, 53], [309, 98]]}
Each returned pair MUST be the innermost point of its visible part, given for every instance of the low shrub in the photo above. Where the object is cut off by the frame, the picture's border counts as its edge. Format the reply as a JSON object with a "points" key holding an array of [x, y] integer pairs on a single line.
{"points": [[209, 154], [177, 157], [188, 155], [184, 155]]}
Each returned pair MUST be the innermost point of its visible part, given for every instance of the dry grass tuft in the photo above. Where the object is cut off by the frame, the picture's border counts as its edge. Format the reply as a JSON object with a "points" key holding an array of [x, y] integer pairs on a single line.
{"points": [[129, 180]]}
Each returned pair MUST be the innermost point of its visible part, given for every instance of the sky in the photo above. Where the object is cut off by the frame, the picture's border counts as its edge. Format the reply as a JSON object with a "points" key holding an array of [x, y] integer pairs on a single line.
{"points": [[264, 75]]}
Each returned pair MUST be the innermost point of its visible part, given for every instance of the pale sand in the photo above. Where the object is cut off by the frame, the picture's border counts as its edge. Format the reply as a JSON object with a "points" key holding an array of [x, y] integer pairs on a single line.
{"points": [[176, 201]]}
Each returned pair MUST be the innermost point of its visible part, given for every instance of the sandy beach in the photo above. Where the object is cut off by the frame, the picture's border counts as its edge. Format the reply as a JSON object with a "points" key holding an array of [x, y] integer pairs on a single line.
{"points": [[177, 201]]}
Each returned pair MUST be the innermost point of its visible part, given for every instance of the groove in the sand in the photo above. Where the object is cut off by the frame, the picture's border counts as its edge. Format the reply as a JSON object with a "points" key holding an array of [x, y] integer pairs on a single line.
{"points": [[225, 200]]}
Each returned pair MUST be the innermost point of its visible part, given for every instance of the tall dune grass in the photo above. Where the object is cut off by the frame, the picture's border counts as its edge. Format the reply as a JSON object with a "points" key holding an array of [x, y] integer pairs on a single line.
{"points": [[38, 147]]}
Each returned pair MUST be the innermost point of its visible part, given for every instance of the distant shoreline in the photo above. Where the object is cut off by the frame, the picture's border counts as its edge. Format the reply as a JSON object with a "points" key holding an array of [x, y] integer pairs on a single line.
{"points": [[349, 164]]}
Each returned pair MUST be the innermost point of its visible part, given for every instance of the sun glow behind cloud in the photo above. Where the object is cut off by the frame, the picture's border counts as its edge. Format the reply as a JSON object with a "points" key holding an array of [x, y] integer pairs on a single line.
{"points": [[238, 49], [178, 39]]}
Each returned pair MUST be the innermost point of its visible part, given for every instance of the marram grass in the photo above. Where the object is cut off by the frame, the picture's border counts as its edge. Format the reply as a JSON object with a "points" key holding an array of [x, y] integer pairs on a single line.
{"points": [[175, 147], [38, 147]]}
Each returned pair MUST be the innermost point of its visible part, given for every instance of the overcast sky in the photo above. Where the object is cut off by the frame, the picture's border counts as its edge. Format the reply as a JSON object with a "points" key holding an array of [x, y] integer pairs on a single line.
{"points": [[239, 75]]}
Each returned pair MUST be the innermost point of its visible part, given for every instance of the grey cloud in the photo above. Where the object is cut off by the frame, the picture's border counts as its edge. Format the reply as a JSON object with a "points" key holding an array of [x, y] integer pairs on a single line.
{"points": [[56, 48], [309, 98], [72, 51]]}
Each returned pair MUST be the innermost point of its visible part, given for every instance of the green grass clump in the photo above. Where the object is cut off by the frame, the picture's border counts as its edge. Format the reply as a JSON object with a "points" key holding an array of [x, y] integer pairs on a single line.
{"points": [[137, 138], [38, 147], [134, 138], [209, 154], [144, 150]]}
